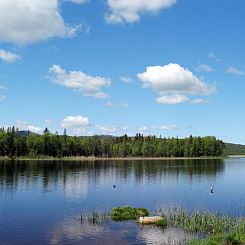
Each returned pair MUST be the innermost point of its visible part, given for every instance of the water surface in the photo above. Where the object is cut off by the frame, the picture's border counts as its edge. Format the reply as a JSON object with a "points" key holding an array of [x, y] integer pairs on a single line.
{"points": [[40, 201]]}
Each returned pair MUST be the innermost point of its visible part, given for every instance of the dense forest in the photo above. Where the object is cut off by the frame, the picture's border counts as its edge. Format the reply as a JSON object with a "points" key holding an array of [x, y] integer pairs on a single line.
{"points": [[14, 144]]}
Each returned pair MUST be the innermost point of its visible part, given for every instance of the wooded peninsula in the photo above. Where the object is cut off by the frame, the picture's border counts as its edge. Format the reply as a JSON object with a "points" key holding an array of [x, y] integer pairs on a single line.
{"points": [[15, 143]]}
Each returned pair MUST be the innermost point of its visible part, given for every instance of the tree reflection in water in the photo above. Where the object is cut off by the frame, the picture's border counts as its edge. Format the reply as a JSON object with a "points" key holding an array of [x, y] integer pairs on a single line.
{"points": [[80, 173]]}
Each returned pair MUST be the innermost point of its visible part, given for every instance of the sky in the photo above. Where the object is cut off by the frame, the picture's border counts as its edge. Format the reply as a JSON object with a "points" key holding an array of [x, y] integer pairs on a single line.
{"points": [[163, 67]]}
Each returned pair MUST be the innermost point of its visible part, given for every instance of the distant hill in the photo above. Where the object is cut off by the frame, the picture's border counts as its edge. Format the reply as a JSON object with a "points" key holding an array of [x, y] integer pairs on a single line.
{"points": [[99, 136], [25, 133], [234, 149]]}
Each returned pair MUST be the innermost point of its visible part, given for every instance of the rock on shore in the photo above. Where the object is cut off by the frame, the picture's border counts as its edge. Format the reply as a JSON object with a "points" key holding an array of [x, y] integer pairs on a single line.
{"points": [[149, 220]]}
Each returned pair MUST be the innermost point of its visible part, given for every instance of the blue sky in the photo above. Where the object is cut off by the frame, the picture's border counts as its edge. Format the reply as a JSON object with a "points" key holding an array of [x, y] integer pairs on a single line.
{"points": [[164, 67]]}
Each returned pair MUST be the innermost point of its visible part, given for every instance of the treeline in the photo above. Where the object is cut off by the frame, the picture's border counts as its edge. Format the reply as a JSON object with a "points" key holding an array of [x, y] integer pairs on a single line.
{"points": [[13, 144]]}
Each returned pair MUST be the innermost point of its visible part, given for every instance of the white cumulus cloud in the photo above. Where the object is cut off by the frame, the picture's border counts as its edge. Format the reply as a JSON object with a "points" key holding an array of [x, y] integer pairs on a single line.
{"points": [[29, 21], [121, 11], [75, 122], [8, 56], [235, 71], [172, 99], [173, 83], [80, 81], [21, 125]]}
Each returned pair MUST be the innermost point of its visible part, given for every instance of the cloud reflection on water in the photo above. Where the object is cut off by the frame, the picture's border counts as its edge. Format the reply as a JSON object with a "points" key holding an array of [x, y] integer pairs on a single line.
{"points": [[76, 185]]}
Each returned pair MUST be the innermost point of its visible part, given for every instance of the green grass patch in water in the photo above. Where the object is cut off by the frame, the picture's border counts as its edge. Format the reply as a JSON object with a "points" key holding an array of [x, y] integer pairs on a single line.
{"points": [[128, 213], [162, 223]]}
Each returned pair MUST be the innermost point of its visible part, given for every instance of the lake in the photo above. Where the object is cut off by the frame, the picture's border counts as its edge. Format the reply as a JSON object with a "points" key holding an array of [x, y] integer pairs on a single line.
{"points": [[40, 201]]}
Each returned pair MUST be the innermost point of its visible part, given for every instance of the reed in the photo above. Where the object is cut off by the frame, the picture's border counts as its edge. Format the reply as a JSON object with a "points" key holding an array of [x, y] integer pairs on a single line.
{"points": [[95, 218], [216, 229], [233, 238], [206, 223]]}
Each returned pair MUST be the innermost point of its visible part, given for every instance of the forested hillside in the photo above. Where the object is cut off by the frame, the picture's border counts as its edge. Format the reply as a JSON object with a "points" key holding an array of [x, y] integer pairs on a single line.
{"points": [[234, 149], [13, 144]]}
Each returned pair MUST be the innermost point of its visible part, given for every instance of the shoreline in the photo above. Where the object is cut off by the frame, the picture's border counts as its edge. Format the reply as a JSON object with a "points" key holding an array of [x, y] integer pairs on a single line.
{"points": [[83, 159]]}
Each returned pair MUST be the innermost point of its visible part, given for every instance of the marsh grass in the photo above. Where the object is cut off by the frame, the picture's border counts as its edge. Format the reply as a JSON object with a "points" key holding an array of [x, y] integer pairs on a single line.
{"points": [[211, 229], [234, 238], [128, 213], [204, 222], [96, 218], [216, 229]]}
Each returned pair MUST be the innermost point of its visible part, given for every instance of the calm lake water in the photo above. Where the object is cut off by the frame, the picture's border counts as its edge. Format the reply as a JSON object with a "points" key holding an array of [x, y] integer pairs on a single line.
{"points": [[40, 201]]}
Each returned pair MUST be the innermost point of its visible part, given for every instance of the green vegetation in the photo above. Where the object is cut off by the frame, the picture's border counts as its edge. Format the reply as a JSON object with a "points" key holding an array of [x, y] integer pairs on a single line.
{"points": [[218, 229], [203, 222], [234, 149], [234, 238], [162, 223], [14, 144], [128, 213], [210, 228]]}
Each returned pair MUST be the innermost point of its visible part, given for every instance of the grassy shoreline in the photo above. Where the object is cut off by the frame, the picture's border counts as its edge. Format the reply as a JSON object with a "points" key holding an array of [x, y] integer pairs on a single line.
{"points": [[206, 228], [109, 158]]}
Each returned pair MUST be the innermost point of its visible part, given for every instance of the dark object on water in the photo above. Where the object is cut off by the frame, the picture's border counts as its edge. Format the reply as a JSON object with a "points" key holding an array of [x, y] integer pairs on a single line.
{"points": [[114, 186], [211, 189]]}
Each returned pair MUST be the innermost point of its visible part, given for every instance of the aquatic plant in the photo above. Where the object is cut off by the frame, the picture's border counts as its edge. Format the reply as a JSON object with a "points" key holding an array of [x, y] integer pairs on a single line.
{"points": [[128, 213], [162, 222], [233, 238], [206, 223], [95, 218]]}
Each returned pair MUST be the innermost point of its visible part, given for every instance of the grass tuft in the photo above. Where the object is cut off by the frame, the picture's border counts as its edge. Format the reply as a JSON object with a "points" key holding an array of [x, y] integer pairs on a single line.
{"points": [[162, 222], [128, 213]]}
